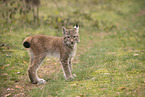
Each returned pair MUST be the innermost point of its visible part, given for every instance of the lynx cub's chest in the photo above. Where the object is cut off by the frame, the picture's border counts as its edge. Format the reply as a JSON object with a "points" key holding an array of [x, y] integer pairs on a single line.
{"points": [[73, 52]]}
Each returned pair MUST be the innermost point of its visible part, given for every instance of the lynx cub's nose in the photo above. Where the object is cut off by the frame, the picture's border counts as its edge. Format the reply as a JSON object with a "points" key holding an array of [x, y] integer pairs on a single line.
{"points": [[72, 42]]}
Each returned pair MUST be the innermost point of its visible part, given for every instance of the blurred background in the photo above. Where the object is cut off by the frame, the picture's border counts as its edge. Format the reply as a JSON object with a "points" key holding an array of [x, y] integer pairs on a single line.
{"points": [[98, 14]]}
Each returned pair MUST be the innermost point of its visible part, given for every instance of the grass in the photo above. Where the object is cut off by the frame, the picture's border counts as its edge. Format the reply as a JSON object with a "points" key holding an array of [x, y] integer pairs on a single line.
{"points": [[110, 58]]}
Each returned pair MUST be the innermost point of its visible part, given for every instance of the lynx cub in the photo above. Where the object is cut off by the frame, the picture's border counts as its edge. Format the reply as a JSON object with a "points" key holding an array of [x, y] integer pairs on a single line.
{"points": [[40, 46]]}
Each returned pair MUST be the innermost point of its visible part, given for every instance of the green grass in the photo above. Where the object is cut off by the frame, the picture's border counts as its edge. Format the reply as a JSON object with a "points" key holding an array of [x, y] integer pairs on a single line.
{"points": [[110, 58]]}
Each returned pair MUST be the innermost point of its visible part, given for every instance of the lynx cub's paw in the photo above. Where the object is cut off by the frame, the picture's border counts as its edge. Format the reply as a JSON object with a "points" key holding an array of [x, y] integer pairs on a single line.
{"points": [[41, 81], [70, 79], [74, 75]]}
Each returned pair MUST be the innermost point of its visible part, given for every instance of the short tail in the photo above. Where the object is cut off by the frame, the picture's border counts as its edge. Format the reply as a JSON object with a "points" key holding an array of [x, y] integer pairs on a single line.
{"points": [[26, 42]]}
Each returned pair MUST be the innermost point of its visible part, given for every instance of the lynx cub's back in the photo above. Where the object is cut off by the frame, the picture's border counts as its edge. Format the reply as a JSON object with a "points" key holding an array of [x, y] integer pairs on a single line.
{"points": [[40, 46]]}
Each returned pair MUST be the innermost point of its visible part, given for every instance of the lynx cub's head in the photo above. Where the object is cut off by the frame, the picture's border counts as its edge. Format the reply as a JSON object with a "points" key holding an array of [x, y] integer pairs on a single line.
{"points": [[71, 36]]}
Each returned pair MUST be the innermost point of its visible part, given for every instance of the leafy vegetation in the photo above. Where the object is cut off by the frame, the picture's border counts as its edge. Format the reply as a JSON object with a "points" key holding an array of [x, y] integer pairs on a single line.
{"points": [[110, 56]]}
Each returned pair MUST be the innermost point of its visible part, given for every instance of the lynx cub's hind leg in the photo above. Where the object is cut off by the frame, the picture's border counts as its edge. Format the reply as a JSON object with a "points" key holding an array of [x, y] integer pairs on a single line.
{"points": [[31, 57], [32, 71]]}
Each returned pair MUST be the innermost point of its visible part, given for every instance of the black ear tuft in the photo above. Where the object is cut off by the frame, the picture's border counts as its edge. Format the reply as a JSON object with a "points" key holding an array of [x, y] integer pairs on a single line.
{"points": [[26, 44]]}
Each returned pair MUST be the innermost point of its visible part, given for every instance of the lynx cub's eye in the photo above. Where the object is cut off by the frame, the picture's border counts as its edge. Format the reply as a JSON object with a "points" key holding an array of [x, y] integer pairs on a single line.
{"points": [[68, 37], [75, 36]]}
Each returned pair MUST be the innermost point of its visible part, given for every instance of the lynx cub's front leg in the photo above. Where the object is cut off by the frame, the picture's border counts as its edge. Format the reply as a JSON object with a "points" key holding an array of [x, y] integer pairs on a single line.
{"points": [[66, 68]]}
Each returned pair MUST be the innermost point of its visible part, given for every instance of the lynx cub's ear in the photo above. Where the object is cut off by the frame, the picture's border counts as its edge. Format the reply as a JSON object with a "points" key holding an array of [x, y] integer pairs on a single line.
{"points": [[64, 30], [77, 28]]}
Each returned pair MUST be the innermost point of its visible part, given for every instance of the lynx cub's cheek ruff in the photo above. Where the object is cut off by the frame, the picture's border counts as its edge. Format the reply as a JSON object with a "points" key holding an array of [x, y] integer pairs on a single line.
{"points": [[40, 46]]}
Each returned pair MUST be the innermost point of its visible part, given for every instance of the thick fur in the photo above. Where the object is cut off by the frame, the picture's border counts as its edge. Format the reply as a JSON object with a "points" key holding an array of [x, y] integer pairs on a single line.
{"points": [[40, 46]]}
